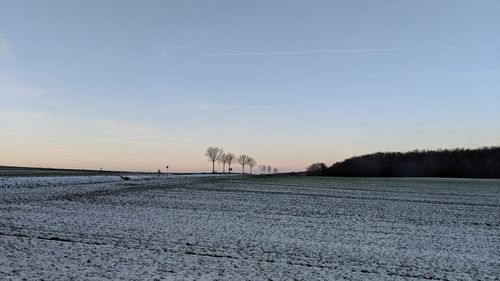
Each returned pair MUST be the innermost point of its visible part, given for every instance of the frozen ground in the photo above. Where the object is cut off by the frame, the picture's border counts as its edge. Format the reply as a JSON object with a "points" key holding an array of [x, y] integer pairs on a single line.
{"points": [[51, 181], [252, 228]]}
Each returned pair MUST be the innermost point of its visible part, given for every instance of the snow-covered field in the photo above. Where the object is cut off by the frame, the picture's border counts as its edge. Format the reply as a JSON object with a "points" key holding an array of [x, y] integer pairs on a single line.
{"points": [[250, 228], [51, 181]]}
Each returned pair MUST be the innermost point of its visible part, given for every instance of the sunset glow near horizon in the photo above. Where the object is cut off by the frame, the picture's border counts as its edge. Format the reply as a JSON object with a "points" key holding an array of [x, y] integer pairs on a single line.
{"points": [[138, 85]]}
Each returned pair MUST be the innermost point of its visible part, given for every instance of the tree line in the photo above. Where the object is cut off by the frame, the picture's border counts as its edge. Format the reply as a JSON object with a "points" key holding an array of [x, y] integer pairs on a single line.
{"points": [[464, 163], [216, 154]]}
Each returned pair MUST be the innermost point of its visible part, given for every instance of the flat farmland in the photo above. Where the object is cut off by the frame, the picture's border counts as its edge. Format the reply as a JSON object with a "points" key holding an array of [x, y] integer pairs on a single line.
{"points": [[250, 228]]}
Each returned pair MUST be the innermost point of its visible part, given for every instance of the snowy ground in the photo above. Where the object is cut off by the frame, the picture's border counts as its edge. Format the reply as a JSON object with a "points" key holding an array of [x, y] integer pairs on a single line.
{"points": [[251, 228], [51, 181]]}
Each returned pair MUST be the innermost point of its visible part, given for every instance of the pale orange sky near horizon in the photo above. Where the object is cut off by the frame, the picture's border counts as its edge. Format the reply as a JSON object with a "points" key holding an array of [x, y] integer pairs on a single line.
{"points": [[133, 151]]}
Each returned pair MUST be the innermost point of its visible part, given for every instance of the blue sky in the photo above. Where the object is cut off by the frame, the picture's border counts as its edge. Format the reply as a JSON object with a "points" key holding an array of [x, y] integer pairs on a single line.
{"points": [[137, 84]]}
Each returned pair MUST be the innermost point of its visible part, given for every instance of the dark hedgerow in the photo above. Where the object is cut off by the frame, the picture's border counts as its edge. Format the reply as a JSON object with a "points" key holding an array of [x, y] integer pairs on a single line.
{"points": [[454, 163]]}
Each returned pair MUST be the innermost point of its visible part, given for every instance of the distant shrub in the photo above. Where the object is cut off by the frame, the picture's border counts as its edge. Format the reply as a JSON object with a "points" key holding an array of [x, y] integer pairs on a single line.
{"points": [[317, 169]]}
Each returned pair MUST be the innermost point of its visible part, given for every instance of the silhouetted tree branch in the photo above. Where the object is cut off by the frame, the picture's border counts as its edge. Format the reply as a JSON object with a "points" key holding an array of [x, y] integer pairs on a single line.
{"points": [[214, 154], [229, 159], [262, 169], [243, 160], [251, 162], [223, 161]]}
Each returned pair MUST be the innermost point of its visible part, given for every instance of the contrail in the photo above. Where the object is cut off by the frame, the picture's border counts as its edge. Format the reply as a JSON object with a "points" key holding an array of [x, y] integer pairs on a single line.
{"points": [[329, 51], [333, 51], [399, 3]]}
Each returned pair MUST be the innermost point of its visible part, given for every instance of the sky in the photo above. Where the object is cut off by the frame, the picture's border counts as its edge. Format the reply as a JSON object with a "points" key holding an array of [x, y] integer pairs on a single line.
{"points": [[138, 85]]}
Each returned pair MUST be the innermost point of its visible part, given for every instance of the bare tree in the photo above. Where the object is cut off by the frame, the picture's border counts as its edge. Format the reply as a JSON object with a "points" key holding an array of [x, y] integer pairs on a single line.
{"points": [[269, 169], [262, 169], [251, 162], [317, 169], [243, 160], [223, 161], [229, 159], [275, 170], [214, 154]]}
